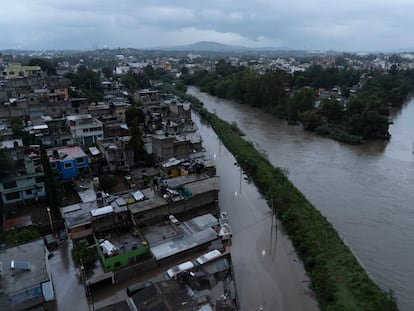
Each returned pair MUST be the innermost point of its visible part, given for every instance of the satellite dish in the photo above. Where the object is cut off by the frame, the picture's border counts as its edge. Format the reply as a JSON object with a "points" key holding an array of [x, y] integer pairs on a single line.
{"points": [[186, 106]]}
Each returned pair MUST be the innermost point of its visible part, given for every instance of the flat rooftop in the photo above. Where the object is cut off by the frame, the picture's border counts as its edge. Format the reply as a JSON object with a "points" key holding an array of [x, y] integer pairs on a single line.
{"points": [[213, 289], [86, 191], [81, 213], [193, 183], [34, 254], [190, 234], [66, 153]]}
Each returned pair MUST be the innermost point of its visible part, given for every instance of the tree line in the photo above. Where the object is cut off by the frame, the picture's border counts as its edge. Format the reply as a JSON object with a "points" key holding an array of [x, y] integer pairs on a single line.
{"points": [[342, 115]]}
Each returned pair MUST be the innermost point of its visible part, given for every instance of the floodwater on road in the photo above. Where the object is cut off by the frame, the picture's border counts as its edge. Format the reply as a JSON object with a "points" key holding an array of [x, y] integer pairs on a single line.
{"points": [[268, 272], [365, 191]]}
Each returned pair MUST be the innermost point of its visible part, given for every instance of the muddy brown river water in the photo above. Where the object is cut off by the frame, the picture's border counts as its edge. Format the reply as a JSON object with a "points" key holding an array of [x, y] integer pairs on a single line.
{"points": [[365, 191]]}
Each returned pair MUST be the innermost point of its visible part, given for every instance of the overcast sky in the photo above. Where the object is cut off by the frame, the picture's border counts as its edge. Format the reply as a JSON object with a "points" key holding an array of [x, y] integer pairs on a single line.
{"points": [[346, 25]]}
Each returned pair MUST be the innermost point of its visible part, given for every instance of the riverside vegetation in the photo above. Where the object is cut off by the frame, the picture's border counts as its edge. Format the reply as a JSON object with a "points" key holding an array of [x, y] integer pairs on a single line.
{"points": [[338, 279], [346, 117]]}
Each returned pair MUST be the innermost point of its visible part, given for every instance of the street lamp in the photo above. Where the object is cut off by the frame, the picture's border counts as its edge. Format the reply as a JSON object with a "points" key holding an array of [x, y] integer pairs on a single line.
{"points": [[50, 219]]}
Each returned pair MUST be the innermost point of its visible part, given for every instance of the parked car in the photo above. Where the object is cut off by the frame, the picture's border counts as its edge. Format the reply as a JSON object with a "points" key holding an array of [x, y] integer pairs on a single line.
{"points": [[207, 257], [176, 270], [173, 220]]}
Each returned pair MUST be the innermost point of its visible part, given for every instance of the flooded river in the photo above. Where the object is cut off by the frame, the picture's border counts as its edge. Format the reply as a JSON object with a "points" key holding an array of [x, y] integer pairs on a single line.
{"points": [[365, 191]]}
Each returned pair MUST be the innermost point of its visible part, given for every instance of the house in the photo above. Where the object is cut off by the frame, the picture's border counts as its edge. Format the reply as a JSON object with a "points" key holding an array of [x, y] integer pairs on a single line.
{"points": [[59, 134], [23, 181], [116, 152], [15, 71], [165, 146], [84, 129], [68, 162], [179, 111], [132, 250], [25, 279]]}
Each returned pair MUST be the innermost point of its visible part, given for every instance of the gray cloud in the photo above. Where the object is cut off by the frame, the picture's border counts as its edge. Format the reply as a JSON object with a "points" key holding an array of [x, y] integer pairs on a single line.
{"points": [[316, 24]]}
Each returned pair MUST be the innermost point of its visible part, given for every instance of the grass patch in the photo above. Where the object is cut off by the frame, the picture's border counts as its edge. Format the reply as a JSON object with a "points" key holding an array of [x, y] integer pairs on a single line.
{"points": [[19, 236]]}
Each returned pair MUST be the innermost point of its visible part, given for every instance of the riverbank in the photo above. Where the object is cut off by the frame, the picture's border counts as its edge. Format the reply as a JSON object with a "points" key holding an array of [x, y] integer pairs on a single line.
{"points": [[339, 281]]}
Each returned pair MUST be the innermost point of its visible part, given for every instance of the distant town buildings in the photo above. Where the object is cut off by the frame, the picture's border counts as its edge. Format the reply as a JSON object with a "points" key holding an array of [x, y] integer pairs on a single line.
{"points": [[89, 145]]}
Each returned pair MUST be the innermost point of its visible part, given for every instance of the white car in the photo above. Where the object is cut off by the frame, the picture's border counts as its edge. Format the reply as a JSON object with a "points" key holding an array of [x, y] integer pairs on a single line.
{"points": [[174, 271], [173, 220], [208, 256]]}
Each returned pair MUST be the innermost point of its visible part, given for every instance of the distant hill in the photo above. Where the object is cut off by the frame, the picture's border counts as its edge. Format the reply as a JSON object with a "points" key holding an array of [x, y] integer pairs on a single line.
{"points": [[210, 46]]}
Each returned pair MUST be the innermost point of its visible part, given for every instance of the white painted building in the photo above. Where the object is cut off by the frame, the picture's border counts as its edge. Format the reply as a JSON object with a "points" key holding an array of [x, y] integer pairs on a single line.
{"points": [[85, 129]]}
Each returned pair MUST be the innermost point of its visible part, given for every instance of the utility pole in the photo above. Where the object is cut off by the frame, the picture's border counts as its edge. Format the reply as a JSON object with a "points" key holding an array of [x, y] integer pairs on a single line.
{"points": [[50, 220]]}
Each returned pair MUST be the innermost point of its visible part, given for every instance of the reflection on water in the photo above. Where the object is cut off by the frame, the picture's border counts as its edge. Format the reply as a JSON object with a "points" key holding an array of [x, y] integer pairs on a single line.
{"points": [[365, 191]]}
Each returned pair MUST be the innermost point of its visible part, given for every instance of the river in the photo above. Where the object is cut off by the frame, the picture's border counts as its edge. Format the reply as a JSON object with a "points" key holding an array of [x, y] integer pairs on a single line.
{"points": [[365, 191]]}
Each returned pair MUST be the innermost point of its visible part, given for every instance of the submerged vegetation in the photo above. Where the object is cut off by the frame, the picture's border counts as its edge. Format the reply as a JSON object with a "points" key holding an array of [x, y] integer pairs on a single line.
{"points": [[338, 280]]}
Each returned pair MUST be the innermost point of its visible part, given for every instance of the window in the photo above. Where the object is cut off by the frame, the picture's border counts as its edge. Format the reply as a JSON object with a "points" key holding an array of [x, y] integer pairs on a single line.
{"points": [[9, 185], [40, 179], [29, 191], [12, 196], [68, 165], [80, 160], [53, 164]]}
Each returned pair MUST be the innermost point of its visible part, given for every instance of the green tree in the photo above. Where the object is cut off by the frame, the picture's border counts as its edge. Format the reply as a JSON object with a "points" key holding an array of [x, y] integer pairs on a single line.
{"points": [[5, 160], [331, 109], [108, 72], [224, 69], [311, 120], [149, 72], [17, 126], [53, 192], [136, 142], [184, 70], [83, 254], [134, 113], [129, 82], [303, 99], [160, 73], [89, 82], [46, 65], [180, 86], [345, 91]]}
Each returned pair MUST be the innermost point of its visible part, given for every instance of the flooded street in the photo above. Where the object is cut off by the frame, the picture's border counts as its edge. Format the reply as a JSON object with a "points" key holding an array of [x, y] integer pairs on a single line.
{"points": [[268, 273], [365, 191], [267, 270]]}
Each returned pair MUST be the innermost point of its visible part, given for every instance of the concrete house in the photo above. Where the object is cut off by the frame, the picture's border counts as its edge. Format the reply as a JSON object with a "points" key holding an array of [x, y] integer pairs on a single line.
{"points": [[116, 152], [166, 146], [84, 129], [59, 134], [23, 183], [15, 71], [25, 279], [68, 162]]}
